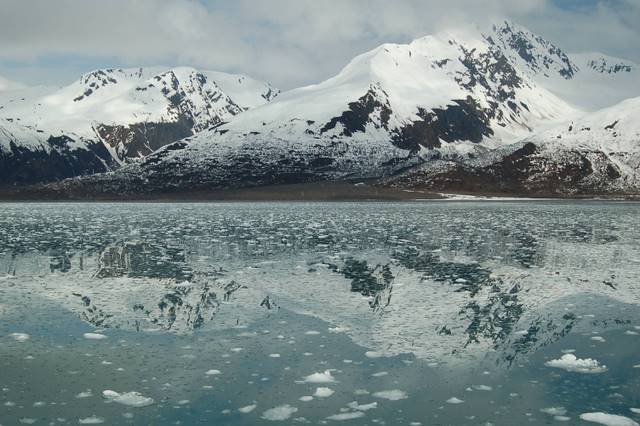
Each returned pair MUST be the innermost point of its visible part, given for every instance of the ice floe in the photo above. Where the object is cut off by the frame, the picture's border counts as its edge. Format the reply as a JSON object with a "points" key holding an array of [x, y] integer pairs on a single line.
{"points": [[93, 420], [20, 337], [324, 377], [247, 409], [131, 399], [391, 395], [323, 392], [454, 400], [94, 336], [554, 411], [279, 413], [364, 407], [346, 416], [608, 419], [213, 373], [573, 364]]}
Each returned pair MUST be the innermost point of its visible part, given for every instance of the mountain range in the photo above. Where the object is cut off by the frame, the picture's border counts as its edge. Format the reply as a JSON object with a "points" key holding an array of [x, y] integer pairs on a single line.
{"points": [[500, 110]]}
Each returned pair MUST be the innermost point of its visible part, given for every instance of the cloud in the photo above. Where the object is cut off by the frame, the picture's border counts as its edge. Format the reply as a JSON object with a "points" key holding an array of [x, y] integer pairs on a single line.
{"points": [[287, 42]]}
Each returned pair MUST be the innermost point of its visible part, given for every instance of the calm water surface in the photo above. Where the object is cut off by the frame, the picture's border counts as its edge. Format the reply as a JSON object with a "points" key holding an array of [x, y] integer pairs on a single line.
{"points": [[426, 313]]}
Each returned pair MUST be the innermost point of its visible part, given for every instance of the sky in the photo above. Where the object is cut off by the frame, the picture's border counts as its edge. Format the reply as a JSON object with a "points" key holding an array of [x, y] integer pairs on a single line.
{"points": [[288, 43]]}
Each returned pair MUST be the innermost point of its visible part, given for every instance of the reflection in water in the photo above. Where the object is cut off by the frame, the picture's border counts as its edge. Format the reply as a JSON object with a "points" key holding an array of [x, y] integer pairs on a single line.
{"points": [[430, 296]]}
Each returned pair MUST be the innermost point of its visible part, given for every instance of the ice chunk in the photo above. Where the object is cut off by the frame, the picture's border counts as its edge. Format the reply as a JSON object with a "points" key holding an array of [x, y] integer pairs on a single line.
{"points": [[93, 420], [94, 336], [554, 411], [391, 395], [454, 400], [20, 337], [346, 416], [571, 363], [247, 409], [213, 372], [323, 392], [131, 399], [325, 377], [364, 407], [608, 419], [279, 413]]}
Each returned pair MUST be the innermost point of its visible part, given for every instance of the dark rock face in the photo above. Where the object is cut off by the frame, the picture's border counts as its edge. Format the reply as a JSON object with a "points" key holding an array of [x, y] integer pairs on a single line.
{"points": [[22, 166], [465, 121], [141, 139], [527, 169], [360, 113]]}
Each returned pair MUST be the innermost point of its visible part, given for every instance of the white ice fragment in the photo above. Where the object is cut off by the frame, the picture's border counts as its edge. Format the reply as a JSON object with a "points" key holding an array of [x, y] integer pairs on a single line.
{"points": [[323, 392], [380, 374], [94, 336], [20, 337], [306, 398], [635, 410], [247, 409], [454, 400], [364, 407], [554, 411], [274, 355], [391, 395], [131, 399], [279, 413], [598, 339], [561, 418], [608, 419], [482, 387], [373, 354], [346, 416], [93, 420], [85, 394], [569, 362], [325, 377], [213, 372]]}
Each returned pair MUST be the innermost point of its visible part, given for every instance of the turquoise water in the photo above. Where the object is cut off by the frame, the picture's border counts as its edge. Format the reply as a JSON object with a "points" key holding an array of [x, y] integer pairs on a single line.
{"points": [[364, 313]]}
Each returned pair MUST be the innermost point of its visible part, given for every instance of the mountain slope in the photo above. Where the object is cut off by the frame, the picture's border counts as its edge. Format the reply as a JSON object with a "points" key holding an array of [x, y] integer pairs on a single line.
{"points": [[598, 153], [453, 94], [29, 155], [136, 111]]}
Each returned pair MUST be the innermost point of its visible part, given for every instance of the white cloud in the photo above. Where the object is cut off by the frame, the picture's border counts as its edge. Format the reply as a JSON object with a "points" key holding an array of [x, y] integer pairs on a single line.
{"points": [[287, 42]]}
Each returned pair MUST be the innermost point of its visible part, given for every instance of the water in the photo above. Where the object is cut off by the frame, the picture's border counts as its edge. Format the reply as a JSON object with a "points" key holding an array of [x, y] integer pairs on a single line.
{"points": [[431, 313]]}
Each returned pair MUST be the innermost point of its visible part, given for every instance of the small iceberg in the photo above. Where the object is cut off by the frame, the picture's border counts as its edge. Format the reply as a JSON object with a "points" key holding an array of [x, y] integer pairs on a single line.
{"points": [[573, 364]]}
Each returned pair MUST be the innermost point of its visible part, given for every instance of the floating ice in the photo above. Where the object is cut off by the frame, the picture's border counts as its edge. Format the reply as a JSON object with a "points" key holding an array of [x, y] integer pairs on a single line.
{"points": [[325, 377], [94, 336], [635, 410], [598, 339], [306, 398], [247, 409], [20, 337], [391, 395], [571, 363], [312, 333], [132, 399], [482, 387], [454, 400], [608, 419], [346, 416], [213, 372], [364, 407], [274, 355], [380, 374], [93, 420], [554, 411], [279, 413], [323, 392], [373, 354], [561, 418], [85, 394]]}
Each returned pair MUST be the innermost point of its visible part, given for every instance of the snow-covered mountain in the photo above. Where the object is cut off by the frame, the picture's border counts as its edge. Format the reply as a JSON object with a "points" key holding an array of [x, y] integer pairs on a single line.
{"points": [[29, 155], [455, 95], [136, 111], [598, 153]]}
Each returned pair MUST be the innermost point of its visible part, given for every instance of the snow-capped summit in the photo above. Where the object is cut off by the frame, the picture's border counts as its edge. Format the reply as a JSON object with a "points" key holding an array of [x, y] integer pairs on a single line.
{"points": [[135, 111]]}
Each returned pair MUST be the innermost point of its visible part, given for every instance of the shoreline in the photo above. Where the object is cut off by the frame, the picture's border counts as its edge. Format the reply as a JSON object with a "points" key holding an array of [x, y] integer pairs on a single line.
{"points": [[325, 192]]}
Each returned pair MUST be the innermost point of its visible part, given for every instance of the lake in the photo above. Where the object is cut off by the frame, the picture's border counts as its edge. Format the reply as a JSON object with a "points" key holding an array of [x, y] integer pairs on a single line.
{"points": [[415, 313]]}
